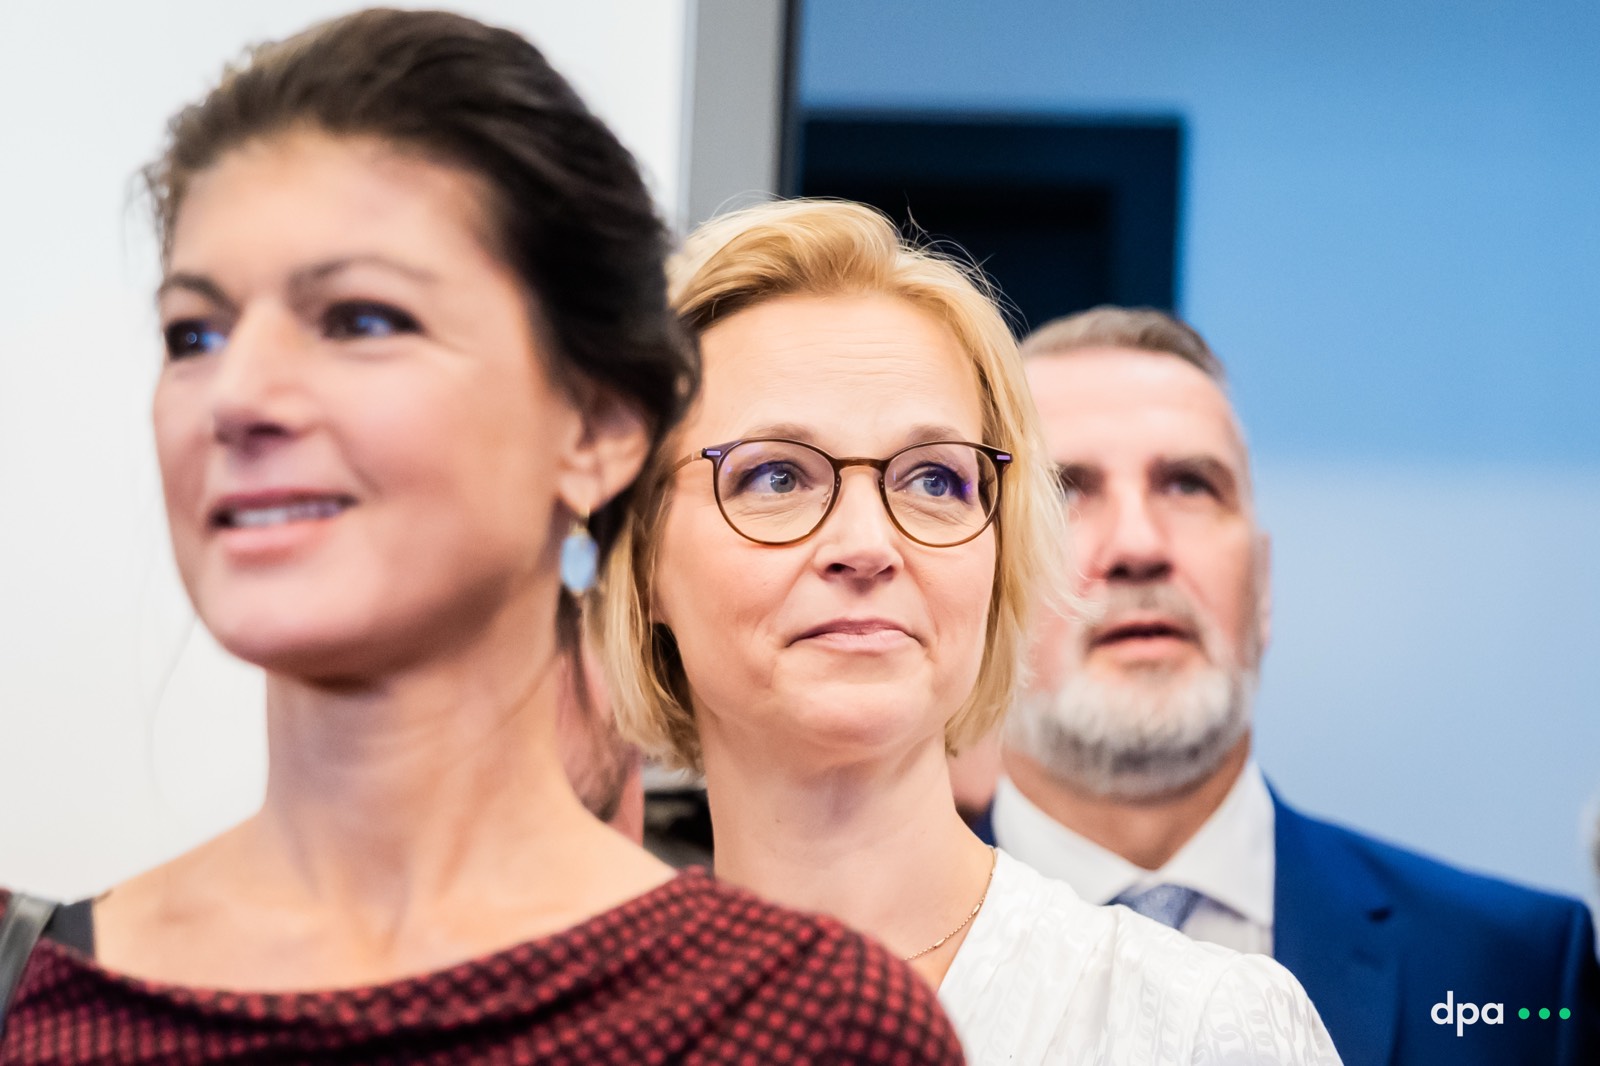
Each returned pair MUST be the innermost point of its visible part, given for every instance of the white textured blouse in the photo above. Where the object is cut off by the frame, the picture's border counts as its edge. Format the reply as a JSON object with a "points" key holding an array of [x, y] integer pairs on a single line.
{"points": [[1044, 977]]}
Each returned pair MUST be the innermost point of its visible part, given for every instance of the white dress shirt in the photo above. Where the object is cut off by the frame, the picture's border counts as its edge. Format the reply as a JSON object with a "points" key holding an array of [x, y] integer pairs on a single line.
{"points": [[1044, 978], [1230, 861]]}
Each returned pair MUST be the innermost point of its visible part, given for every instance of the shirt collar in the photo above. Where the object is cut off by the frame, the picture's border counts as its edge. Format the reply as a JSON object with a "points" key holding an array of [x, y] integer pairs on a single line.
{"points": [[1230, 859]]}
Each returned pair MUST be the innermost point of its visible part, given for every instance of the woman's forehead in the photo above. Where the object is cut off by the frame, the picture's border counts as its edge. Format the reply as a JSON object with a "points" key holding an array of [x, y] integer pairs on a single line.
{"points": [[307, 195], [855, 372]]}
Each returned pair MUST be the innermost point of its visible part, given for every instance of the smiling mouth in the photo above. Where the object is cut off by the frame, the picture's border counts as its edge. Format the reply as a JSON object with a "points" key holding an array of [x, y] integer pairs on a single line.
{"points": [[265, 516]]}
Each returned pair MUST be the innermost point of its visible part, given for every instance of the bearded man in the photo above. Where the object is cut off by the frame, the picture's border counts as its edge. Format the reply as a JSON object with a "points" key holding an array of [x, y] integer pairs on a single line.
{"points": [[1127, 765]]}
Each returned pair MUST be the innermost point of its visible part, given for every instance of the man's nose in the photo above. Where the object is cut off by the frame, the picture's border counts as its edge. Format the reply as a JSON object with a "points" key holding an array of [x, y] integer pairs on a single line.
{"points": [[1134, 546]]}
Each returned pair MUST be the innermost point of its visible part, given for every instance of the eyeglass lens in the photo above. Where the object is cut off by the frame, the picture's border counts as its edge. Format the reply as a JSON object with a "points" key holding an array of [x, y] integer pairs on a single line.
{"points": [[779, 491]]}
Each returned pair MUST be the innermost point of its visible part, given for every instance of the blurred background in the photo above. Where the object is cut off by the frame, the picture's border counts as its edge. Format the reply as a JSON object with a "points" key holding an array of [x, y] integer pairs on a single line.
{"points": [[1384, 217]]}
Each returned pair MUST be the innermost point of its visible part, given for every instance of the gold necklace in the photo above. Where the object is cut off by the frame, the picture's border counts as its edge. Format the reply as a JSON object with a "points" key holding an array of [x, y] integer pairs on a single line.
{"points": [[994, 858]]}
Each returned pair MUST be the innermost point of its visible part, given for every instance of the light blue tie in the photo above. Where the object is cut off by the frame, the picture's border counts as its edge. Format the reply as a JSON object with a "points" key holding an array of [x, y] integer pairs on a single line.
{"points": [[1170, 905]]}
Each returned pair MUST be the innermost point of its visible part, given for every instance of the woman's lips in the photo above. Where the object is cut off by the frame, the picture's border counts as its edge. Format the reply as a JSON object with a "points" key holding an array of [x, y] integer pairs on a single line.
{"points": [[856, 635], [264, 510], [272, 527]]}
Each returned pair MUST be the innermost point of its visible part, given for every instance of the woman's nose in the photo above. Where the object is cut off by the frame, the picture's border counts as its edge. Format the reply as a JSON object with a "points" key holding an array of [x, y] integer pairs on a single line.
{"points": [[859, 539], [258, 390]]}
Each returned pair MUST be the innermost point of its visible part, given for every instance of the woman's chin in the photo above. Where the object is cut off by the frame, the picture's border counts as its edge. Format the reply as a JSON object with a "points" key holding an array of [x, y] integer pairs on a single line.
{"points": [[312, 649], [871, 721]]}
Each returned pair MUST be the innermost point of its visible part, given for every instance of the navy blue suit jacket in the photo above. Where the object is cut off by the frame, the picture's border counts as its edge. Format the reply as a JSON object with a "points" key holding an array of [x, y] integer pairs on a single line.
{"points": [[1379, 935]]}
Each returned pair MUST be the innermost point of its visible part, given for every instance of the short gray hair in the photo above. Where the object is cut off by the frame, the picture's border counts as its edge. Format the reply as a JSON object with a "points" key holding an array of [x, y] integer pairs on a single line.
{"points": [[1143, 329]]}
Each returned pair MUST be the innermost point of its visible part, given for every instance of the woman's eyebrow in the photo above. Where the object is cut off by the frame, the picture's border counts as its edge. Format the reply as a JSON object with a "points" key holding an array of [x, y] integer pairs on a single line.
{"points": [[925, 432], [326, 269], [301, 280], [198, 284], [784, 430], [918, 434]]}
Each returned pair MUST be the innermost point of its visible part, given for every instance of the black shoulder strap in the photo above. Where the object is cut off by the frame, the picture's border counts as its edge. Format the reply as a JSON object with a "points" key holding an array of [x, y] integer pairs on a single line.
{"points": [[25, 919]]}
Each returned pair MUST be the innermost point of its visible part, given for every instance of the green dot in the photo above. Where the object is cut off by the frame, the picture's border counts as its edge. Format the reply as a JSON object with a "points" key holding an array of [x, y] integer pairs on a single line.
{"points": [[1565, 1014], [1544, 1012], [1523, 1013]]}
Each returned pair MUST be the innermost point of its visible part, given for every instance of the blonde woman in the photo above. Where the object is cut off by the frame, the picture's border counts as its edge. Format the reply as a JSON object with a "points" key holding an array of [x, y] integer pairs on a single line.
{"points": [[824, 584]]}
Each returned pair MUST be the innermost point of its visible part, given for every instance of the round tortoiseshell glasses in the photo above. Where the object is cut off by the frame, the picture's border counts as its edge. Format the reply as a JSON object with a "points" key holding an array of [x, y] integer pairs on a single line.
{"points": [[777, 491]]}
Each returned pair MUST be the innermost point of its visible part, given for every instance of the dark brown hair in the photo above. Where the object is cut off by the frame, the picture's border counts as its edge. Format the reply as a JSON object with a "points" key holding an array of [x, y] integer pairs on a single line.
{"points": [[566, 207]]}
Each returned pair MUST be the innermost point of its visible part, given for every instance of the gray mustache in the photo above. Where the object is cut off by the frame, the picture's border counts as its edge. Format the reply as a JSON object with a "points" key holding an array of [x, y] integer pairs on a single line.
{"points": [[1110, 605]]}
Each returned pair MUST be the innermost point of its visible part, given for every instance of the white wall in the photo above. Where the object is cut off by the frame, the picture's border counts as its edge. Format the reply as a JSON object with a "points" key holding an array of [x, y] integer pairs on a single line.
{"points": [[125, 735]]}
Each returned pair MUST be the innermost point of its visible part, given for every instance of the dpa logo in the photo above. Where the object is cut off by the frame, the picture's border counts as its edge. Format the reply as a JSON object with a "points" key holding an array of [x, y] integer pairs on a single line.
{"points": [[1465, 1014]]}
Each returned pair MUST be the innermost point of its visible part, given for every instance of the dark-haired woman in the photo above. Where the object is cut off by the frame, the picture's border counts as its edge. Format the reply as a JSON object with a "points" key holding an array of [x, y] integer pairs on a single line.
{"points": [[417, 346]]}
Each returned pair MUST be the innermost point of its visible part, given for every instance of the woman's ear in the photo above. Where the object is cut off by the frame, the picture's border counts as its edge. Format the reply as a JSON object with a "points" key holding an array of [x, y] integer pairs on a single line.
{"points": [[608, 453]]}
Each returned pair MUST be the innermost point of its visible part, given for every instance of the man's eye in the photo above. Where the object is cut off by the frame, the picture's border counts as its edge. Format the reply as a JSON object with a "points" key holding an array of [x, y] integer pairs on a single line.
{"points": [[363, 319], [1190, 485], [192, 336]]}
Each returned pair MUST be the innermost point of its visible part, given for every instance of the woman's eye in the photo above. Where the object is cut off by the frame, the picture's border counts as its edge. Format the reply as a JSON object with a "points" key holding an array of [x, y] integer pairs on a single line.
{"points": [[938, 481], [192, 336], [357, 320], [778, 478]]}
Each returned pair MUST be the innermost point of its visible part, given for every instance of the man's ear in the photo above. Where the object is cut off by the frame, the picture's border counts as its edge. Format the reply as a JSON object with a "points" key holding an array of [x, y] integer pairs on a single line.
{"points": [[1263, 565], [608, 453]]}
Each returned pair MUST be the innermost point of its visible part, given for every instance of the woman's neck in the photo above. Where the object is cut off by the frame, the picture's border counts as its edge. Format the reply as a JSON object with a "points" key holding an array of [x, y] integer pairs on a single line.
{"points": [[409, 824], [413, 784], [876, 843]]}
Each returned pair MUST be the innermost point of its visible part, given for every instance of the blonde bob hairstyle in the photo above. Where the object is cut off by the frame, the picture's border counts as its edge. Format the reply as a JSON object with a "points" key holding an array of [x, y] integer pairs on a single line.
{"points": [[832, 248]]}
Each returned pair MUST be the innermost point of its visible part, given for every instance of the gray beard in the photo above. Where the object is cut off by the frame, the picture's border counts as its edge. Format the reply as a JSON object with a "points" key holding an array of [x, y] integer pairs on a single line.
{"points": [[1147, 737]]}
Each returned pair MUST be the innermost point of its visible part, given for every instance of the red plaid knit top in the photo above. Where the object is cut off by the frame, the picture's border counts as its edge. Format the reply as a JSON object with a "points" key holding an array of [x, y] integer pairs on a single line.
{"points": [[691, 972]]}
